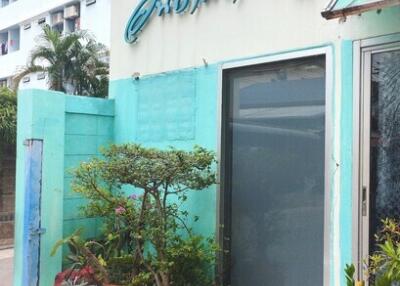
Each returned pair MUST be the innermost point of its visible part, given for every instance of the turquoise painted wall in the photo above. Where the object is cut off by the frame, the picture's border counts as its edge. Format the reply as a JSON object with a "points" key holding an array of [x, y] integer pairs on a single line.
{"points": [[172, 109], [72, 128], [41, 116], [89, 125], [346, 154]]}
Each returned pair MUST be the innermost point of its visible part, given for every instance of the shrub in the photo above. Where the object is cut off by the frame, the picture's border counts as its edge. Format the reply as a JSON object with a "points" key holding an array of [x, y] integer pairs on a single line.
{"points": [[148, 230], [8, 116]]}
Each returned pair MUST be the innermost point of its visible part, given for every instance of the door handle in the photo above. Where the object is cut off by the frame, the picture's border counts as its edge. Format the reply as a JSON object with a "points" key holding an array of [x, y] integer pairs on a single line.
{"points": [[364, 201]]}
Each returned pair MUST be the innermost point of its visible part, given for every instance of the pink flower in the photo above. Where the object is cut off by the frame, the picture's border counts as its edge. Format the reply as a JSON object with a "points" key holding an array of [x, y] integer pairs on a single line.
{"points": [[120, 210]]}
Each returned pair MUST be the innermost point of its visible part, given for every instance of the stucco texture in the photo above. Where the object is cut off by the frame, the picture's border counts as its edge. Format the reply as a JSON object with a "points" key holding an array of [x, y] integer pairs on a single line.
{"points": [[176, 109]]}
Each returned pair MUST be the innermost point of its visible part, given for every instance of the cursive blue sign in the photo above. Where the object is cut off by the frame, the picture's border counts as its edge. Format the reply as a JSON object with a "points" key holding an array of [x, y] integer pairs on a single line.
{"points": [[145, 9]]}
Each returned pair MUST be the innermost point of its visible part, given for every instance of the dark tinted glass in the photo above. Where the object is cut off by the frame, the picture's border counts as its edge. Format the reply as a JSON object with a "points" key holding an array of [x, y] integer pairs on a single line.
{"points": [[274, 179], [385, 140]]}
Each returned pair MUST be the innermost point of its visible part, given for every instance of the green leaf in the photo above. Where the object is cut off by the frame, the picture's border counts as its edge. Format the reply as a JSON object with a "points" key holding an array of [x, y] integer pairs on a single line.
{"points": [[66, 240], [350, 270]]}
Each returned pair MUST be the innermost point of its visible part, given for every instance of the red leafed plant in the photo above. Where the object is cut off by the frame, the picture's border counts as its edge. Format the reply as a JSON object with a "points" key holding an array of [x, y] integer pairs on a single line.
{"points": [[86, 268], [86, 274]]}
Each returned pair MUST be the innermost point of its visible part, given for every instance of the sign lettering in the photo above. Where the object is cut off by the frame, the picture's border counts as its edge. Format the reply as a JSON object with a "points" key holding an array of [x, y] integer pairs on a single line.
{"points": [[146, 8]]}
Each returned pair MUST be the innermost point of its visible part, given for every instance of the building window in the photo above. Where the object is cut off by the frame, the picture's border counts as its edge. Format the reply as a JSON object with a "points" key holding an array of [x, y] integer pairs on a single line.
{"points": [[273, 173], [377, 178], [14, 39], [67, 20], [72, 20], [57, 21], [4, 3], [3, 43], [9, 41]]}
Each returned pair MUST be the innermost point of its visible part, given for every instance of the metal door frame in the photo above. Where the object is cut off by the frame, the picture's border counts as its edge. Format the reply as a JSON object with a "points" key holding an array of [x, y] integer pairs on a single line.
{"points": [[363, 51], [221, 215]]}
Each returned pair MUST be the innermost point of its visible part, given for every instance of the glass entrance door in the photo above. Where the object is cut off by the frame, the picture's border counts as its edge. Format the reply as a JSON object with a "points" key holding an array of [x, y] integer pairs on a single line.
{"points": [[273, 173], [380, 145]]}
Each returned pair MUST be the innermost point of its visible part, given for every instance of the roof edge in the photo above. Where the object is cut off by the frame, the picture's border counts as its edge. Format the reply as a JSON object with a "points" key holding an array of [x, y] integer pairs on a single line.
{"points": [[331, 13]]}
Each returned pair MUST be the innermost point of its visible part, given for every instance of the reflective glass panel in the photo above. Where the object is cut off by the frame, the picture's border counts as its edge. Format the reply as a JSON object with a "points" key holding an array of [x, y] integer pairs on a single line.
{"points": [[274, 178], [384, 140]]}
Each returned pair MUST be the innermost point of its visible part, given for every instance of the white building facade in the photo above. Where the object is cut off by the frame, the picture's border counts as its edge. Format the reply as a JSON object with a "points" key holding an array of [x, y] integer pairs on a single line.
{"points": [[21, 23]]}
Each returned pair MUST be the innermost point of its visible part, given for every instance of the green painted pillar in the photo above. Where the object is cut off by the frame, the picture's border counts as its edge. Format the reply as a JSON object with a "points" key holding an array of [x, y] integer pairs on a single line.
{"points": [[41, 115]]}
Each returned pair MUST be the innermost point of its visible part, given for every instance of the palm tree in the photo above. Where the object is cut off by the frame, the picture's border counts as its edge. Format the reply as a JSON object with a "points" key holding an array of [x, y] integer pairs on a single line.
{"points": [[75, 63], [90, 69]]}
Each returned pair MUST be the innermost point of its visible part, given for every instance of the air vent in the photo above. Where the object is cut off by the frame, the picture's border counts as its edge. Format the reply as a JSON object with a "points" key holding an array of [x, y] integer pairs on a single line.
{"points": [[71, 12], [27, 26], [26, 79], [41, 21], [90, 2], [57, 18], [41, 76]]}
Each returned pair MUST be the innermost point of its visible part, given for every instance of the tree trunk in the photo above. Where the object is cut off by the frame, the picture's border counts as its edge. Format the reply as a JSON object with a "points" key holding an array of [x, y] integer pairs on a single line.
{"points": [[139, 249], [161, 278], [165, 279]]}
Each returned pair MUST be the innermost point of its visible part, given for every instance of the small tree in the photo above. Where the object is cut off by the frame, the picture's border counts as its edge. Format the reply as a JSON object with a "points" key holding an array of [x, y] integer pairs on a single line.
{"points": [[151, 224]]}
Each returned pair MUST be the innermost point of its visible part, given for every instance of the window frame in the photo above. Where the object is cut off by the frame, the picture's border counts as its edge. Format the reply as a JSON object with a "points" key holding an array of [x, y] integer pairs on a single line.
{"points": [[329, 139], [362, 51]]}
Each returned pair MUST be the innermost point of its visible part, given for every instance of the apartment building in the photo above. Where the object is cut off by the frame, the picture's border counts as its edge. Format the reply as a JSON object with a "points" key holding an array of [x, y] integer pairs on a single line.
{"points": [[21, 23]]}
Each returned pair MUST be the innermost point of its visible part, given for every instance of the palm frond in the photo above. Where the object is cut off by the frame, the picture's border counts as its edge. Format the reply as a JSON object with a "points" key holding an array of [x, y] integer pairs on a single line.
{"points": [[43, 54], [50, 37]]}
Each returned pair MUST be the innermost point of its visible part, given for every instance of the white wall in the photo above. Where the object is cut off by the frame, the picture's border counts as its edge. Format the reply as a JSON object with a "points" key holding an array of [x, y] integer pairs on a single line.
{"points": [[35, 82], [22, 10], [9, 63], [97, 19], [12, 62], [221, 30]]}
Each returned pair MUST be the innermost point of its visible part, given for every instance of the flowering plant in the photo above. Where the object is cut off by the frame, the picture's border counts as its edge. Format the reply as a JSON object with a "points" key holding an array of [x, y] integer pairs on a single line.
{"points": [[151, 224]]}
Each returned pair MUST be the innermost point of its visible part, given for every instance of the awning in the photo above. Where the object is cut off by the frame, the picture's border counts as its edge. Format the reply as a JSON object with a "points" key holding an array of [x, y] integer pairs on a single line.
{"points": [[343, 8]]}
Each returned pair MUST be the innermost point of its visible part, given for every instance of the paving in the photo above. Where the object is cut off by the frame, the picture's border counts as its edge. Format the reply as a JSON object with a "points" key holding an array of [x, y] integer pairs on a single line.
{"points": [[6, 266]]}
